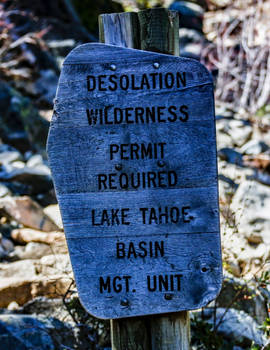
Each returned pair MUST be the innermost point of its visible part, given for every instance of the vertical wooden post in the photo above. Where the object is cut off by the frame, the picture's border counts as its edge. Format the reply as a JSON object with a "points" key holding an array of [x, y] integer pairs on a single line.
{"points": [[151, 30], [154, 30]]}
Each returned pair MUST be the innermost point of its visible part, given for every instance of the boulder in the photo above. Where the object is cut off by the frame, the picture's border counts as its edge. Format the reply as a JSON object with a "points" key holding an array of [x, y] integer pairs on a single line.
{"points": [[240, 256], [25, 332], [55, 264], [9, 154], [26, 212], [22, 289], [53, 212], [239, 131], [254, 147], [36, 180], [34, 160], [4, 191], [32, 250], [89, 326], [23, 280], [251, 207], [19, 269], [47, 307], [236, 326], [234, 172], [240, 295], [6, 247], [230, 155], [26, 235]]}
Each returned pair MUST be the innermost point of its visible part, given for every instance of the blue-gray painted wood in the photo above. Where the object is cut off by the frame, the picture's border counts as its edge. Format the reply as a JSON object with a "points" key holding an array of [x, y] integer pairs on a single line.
{"points": [[137, 249]]}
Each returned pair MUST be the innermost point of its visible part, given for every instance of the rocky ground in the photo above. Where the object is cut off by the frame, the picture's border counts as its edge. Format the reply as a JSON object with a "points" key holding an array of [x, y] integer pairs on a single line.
{"points": [[38, 299]]}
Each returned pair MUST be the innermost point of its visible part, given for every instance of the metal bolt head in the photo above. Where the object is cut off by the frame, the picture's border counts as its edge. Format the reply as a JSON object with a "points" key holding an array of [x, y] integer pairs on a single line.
{"points": [[124, 302], [156, 65], [168, 296], [118, 167], [113, 67], [161, 163]]}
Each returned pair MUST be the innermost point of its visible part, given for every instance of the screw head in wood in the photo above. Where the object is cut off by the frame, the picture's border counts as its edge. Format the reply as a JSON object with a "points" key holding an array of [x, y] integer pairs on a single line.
{"points": [[113, 67], [205, 269], [156, 65], [124, 302], [168, 296], [118, 167], [161, 163]]}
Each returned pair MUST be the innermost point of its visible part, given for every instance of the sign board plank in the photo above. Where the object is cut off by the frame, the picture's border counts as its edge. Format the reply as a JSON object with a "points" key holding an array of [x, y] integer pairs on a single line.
{"points": [[133, 155]]}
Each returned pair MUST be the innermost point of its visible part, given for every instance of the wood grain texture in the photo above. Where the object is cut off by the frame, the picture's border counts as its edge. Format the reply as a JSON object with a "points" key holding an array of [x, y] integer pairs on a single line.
{"points": [[171, 332], [136, 249], [165, 332], [134, 333], [155, 30], [159, 31], [120, 29]]}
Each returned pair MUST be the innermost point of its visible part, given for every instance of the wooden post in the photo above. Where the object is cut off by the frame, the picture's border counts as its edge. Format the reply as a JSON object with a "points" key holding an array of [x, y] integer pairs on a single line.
{"points": [[154, 30], [151, 30]]}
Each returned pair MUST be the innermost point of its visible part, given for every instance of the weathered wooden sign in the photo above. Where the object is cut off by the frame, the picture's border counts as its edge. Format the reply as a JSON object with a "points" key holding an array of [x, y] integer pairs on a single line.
{"points": [[133, 155]]}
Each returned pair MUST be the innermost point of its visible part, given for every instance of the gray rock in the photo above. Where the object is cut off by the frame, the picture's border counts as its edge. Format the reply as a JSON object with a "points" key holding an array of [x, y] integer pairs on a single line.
{"points": [[254, 147], [244, 296], [230, 155], [23, 332], [13, 306], [43, 168], [235, 172], [7, 245], [53, 212], [20, 269], [237, 327], [4, 191], [239, 131], [18, 164], [9, 157], [32, 250], [38, 180], [34, 160], [42, 306], [262, 177], [227, 187], [222, 113], [251, 207], [26, 212]]}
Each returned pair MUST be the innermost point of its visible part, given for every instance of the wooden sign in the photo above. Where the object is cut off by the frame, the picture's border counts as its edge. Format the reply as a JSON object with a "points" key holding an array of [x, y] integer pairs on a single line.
{"points": [[133, 156]]}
